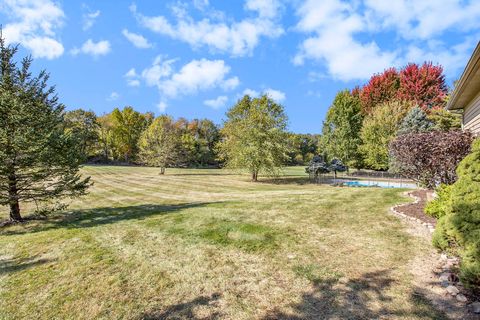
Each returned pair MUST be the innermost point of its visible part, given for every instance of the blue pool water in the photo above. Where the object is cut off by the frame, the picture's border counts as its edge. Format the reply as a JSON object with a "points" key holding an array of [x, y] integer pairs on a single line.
{"points": [[381, 184]]}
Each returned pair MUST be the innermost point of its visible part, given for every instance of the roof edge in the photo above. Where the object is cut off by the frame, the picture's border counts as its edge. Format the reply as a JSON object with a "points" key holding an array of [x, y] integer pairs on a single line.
{"points": [[471, 68]]}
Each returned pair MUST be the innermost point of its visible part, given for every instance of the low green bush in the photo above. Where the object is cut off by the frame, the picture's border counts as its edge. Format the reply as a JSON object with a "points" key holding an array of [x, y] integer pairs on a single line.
{"points": [[457, 208]]}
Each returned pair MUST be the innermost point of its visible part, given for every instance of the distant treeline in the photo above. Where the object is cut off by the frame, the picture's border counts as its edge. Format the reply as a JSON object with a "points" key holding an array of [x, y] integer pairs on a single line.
{"points": [[115, 138]]}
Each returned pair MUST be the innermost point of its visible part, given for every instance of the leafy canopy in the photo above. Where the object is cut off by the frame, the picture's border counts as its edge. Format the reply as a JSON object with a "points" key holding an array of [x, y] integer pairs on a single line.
{"points": [[341, 129], [159, 144], [254, 136], [378, 130]]}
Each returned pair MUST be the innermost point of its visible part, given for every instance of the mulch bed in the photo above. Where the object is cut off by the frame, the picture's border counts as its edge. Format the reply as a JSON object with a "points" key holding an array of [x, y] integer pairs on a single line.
{"points": [[416, 209]]}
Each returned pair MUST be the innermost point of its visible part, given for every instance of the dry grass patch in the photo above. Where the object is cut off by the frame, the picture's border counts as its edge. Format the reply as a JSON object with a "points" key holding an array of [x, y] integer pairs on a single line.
{"points": [[206, 244]]}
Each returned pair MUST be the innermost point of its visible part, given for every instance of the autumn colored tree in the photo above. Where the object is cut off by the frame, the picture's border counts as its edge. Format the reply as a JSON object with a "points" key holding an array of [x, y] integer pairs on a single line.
{"points": [[382, 87], [423, 85]]}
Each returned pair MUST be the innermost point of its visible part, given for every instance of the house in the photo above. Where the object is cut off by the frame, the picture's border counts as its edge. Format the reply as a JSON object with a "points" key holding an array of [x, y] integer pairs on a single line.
{"points": [[466, 95]]}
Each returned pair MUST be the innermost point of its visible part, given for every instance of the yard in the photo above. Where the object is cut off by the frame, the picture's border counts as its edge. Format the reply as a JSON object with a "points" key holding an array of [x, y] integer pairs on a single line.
{"points": [[206, 244]]}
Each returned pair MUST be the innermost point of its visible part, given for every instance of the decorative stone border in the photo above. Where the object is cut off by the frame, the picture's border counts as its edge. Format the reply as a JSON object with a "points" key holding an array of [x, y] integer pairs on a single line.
{"points": [[446, 271], [394, 210]]}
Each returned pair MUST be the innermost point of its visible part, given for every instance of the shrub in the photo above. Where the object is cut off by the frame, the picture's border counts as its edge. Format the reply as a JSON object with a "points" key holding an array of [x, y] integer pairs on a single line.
{"points": [[458, 209], [430, 158]]}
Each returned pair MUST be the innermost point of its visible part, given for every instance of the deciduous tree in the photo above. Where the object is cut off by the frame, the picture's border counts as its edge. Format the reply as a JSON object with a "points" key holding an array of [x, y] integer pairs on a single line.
{"points": [[423, 85], [83, 124], [159, 144], [341, 129], [254, 136], [378, 130]]}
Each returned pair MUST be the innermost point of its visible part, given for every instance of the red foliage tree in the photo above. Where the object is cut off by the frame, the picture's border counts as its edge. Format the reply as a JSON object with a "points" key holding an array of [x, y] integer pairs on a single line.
{"points": [[382, 87], [423, 85], [430, 158]]}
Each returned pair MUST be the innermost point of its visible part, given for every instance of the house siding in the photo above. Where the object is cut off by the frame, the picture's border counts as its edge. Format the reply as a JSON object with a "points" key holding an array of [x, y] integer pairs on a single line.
{"points": [[471, 116]]}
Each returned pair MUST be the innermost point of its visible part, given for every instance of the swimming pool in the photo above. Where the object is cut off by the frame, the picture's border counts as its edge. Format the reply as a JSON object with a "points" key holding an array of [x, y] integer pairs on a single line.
{"points": [[381, 184]]}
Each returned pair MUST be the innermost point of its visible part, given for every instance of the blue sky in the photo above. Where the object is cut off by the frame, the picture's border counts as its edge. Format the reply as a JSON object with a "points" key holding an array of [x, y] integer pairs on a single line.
{"points": [[196, 58]]}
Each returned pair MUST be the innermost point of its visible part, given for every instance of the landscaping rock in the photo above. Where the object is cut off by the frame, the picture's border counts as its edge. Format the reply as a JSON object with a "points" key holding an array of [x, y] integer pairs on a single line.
{"points": [[445, 276], [475, 307], [453, 290], [460, 297]]}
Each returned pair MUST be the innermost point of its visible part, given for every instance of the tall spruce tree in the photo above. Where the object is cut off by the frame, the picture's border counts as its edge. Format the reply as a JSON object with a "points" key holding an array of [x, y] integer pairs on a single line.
{"points": [[39, 159], [416, 121]]}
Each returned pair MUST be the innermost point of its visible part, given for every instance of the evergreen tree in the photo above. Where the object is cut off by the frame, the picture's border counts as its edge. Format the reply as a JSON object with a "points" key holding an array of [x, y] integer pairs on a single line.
{"points": [[415, 121], [255, 136], [39, 159]]}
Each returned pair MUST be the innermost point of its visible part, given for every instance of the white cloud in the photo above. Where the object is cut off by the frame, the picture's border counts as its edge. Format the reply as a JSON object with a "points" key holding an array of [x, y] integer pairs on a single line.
{"points": [[251, 93], [236, 38], [132, 78], [33, 25], [195, 76], [424, 19], [201, 4], [137, 40], [198, 75], [266, 8], [216, 103], [113, 96], [162, 106], [341, 35], [334, 24], [191, 78], [161, 68], [276, 95], [92, 48], [89, 17]]}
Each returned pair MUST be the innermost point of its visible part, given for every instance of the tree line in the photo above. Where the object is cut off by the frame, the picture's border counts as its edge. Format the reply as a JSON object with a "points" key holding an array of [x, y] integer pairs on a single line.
{"points": [[127, 136]]}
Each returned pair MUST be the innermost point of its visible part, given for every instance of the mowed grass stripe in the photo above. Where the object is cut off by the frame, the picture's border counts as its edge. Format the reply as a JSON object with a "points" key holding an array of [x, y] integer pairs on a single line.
{"points": [[187, 248]]}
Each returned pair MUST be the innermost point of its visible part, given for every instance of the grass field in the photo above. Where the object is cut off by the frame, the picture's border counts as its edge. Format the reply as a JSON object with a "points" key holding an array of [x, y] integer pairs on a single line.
{"points": [[209, 244]]}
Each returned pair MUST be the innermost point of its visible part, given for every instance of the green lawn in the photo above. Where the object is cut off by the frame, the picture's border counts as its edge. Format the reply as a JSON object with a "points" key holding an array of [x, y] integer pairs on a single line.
{"points": [[208, 244]]}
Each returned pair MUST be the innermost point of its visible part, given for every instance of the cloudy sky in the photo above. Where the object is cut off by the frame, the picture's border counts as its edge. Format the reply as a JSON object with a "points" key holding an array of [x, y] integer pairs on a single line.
{"points": [[196, 58]]}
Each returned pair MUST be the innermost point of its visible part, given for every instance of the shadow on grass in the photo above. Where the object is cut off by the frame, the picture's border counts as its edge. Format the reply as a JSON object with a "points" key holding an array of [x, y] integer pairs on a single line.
{"points": [[185, 310], [14, 265], [366, 297], [101, 216]]}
